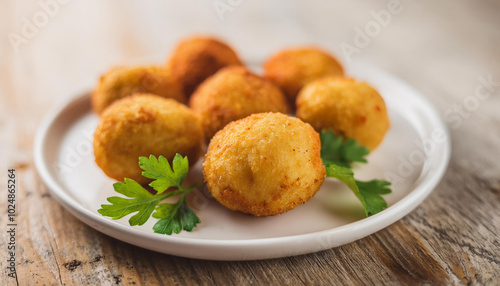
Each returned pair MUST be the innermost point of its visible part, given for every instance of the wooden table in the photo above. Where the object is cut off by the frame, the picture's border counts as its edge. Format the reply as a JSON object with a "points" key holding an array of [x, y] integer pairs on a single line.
{"points": [[445, 49]]}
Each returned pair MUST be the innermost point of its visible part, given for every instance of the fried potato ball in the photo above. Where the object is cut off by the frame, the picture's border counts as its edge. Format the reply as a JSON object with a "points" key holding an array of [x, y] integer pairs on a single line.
{"points": [[350, 108], [197, 58], [234, 93], [141, 125], [292, 69], [265, 164], [120, 82]]}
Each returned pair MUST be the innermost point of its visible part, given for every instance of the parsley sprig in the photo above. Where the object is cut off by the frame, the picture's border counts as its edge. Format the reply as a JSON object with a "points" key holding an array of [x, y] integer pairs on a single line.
{"points": [[338, 155], [173, 217]]}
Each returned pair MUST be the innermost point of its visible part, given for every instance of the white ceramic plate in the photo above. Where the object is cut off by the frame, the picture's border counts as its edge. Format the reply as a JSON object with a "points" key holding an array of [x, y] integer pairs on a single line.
{"points": [[64, 159]]}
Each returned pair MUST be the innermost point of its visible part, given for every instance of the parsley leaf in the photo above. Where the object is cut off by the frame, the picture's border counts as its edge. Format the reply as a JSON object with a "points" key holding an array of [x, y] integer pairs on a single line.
{"points": [[369, 193], [336, 150], [141, 202], [160, 170], [173, 217]]}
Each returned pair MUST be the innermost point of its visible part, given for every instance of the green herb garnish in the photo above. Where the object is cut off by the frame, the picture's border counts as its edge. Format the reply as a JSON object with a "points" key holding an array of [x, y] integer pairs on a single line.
{"points": [[336, 150], [338, 155], [369, 193], [173, 217]]}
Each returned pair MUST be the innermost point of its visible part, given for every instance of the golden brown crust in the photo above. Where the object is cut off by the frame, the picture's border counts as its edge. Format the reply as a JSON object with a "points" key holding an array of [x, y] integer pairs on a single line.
{"points": [[291, 69], [141, 125], [265, 164], [197, 58], [351, 108], [234, 93], [120, 82]]}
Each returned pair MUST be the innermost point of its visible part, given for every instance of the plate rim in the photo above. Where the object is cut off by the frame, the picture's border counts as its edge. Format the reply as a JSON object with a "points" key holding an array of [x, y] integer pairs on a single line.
{"points": [[368, 225]]}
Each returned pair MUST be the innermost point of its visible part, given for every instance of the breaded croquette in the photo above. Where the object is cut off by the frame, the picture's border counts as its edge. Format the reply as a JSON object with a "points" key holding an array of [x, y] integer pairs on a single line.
{"points": [[197, 58], [234, 93], [120, 82], [348, 107], [143, 125], [292, 69], [265, 164]]}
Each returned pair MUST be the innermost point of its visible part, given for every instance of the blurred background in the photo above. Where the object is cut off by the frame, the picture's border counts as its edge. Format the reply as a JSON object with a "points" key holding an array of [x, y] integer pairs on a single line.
{"points": [[50, 48]]}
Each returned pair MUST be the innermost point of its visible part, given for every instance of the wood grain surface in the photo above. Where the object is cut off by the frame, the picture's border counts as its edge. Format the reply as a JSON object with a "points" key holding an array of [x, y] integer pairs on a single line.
{"points": [[445, 49]]}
